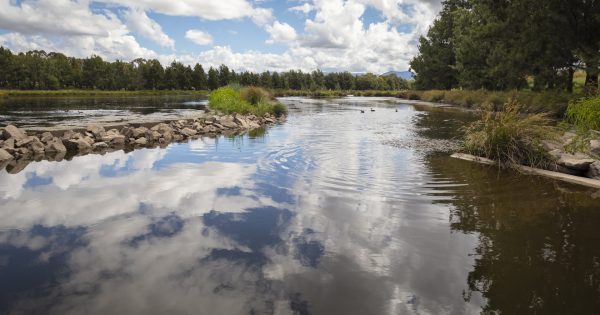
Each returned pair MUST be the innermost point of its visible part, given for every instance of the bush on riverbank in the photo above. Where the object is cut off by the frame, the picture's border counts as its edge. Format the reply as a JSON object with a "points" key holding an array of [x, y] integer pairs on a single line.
{"points": [[249, 100], [510, 137], [584, 114]]}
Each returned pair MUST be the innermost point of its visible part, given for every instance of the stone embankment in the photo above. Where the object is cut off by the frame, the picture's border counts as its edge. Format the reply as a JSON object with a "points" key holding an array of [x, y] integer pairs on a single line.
{"points": [[583, 164], [20, 145]]}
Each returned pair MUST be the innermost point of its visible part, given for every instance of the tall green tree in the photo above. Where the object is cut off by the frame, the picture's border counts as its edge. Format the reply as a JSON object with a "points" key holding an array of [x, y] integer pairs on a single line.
{"points": [[213, 79]]}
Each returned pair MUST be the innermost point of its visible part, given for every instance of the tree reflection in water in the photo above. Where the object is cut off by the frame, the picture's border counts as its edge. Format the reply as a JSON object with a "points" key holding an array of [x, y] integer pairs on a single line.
{"points": [[538, 250]]}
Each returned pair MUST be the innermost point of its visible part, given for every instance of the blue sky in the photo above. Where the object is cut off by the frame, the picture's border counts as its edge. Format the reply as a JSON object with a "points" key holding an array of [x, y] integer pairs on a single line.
{"points": [[332, 35]]}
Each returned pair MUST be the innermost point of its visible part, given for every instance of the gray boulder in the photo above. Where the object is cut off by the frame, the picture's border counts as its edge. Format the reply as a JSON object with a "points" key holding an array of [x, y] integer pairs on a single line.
{"points": [[594, 170], [9, 144], [575, 162], [69, 134], [100, 145], [77, 144], [97, 130], [36, 145], [188, 132], [138, 132], [55, 145], [15, 133], [5, 156], [595, 147], [162, 128], [141, 141], [23, 142], [46, 137]]}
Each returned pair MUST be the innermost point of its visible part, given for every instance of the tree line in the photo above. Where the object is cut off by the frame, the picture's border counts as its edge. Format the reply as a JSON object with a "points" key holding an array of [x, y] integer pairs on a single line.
{"points": [[38, 70], [510, 44]]}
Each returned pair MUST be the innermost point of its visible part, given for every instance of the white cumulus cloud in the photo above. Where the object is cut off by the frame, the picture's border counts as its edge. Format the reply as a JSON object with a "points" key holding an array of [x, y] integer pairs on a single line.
{"points": [[199, 37], [139, 22], [281, 32]]}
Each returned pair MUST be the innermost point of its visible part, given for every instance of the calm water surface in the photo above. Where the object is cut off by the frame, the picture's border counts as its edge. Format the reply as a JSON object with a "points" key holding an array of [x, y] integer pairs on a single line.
{"points": [[333, 212], [81, 111]]}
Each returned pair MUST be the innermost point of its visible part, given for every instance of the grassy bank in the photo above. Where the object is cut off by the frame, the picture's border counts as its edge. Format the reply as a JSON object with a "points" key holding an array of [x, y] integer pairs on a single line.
{"points": [[248, 100], [554, 103], [85, 93]]}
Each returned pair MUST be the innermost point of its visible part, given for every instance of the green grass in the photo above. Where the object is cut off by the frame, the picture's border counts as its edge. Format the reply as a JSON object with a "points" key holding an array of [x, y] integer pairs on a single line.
{"points": [[85, 93], [245, 101], [509, 137], [584, 113], [554, 103]]}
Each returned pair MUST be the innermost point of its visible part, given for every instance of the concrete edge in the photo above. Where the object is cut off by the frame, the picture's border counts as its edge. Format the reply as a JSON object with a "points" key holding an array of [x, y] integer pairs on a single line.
{"points": [[594, 183]]}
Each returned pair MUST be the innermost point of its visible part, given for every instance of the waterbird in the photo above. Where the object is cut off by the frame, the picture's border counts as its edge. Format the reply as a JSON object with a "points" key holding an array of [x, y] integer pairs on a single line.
{"points": [[372, 110], [396, 110], [362, 111]]}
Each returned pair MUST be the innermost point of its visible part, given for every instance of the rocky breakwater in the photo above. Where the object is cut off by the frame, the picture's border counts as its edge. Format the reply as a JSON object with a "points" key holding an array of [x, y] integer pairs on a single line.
{"points": [[584, 163], [18, 147]]}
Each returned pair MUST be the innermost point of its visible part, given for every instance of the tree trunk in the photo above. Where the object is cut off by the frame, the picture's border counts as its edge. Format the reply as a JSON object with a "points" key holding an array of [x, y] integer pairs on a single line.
{"points": [[591, 81], [570, 80]]}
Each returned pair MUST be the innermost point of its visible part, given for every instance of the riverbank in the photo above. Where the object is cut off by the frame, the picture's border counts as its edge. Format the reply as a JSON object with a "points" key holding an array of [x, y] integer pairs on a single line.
{"points": [[551, 102], [19, 147], [95, 93]]}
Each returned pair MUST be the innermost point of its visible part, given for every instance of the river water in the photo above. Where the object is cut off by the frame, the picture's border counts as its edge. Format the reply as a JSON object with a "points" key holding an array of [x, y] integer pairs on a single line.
{"points": [[333, 212]]}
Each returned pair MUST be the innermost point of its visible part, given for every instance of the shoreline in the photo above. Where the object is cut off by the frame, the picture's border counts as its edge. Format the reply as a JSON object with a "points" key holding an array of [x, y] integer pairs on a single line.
{"points": [[579, 180], [7, 94], [19, 147]]}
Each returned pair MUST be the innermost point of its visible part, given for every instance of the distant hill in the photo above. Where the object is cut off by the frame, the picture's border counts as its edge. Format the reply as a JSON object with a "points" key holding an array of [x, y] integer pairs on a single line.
{"points": [[406, 75]]}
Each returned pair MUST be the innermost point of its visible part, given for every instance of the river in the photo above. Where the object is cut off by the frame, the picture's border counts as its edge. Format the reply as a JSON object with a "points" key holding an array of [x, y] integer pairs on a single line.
{"points": [[333, 212]]}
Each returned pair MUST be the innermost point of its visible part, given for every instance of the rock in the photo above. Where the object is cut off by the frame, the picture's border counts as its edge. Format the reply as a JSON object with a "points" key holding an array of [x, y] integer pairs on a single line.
{"points": [[162, 128], [168, 136], [55, 145], [36, 145], [141, 141], [595, 147], [594, 170], [177, 137], [228, 123], [46, 137], [9, 144], [69, 134], [113, 138], [15, 133], [575, 162], [241, 122], [77, 144], [551, 145], [23, 151], [152, 135], [219, 126], [23, 142], [89, 140], [100, 145], [5, 156], [188, 132], [139, 132], [97, 130], [127, 132]]}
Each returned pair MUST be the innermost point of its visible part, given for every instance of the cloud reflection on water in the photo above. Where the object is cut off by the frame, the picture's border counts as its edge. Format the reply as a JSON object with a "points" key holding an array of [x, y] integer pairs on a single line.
{"points": [[289, 223]]}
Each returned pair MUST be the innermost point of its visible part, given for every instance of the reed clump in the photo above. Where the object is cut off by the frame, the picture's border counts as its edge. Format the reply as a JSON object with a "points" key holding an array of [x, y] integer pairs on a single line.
{"points": [[510, 137]]}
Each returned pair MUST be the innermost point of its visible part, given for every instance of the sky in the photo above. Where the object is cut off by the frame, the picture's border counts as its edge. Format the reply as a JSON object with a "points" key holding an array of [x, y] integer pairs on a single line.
{"points": [[255, 35]]}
